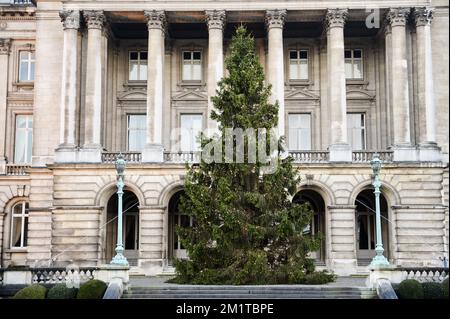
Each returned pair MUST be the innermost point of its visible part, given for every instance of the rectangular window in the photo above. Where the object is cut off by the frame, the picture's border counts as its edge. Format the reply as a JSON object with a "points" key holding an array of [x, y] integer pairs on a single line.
{"points": [[299, 131], [191, 127], [192, 66], [356, 130], [26, 66], [136, 127], [19, 225], [138, 66], [353, 64], [298, 64], [24, 139]]}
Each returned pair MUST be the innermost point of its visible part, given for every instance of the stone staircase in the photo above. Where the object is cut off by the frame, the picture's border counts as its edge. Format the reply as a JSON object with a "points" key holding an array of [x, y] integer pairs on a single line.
{"points": [[249, 292]]}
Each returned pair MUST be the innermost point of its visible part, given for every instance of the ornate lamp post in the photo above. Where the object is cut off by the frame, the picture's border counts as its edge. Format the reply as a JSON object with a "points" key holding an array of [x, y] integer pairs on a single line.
{"points": [[119, 258], [379, 260]]}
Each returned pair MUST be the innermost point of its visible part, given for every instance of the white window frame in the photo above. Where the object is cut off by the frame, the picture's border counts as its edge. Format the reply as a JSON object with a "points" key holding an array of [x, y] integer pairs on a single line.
{"points": [[23, 215], [131, 129], [28, 130], [310, 130], [29, 61], [298, 63], [352, 60], [139, 77], [362, 128], [191, 137], [191, 63]]}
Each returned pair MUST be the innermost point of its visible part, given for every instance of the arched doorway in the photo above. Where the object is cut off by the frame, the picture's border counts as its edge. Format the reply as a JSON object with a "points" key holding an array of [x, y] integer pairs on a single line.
{"points": [[365, 226], [317, 204], [176, 218], [130, 228]]}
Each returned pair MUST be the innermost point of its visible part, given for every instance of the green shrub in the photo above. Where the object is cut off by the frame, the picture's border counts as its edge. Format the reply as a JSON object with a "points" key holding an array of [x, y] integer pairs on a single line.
{"points": [[318, 278], [61, 291], [31, 292], [410, 289], [432, 290], [92, 289], [445, 288]]}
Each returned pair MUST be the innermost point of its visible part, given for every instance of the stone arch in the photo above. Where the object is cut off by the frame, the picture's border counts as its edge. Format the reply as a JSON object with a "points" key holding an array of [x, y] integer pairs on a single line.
{"points": [[320, 188], [387, 190], [11, 192], [168, 191], [105, 193]]}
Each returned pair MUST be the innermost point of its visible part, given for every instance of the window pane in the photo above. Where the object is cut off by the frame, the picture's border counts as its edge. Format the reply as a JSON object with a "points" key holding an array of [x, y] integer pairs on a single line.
{"points": [[25, 232], [143, 71], [299, 131], [16, 231], [31, 72], [23, 76], [303, 70], [133, 70], [347, 54], [348, 70], [23, 139], [143, 56], [357, 69], [187, 55], [187, 72], [29, 146], [191, 127], [197, 72], [357, 54], [197, 55], [136, 132], [293, 71], [303, 54], [133, 55], [293, 54]]}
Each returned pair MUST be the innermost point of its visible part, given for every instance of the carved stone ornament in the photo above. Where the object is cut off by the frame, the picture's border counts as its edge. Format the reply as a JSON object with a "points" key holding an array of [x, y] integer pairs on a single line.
{"points": [[156, 19], [335, 18], [423, 16], [5, 45], [398, 16], [94, 19], [215, 19], [70, 19], [275, 18]]}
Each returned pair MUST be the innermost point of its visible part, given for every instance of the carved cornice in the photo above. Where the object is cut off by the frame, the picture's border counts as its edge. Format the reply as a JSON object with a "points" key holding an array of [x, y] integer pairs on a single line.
{"points": [[275, 18], [398, 16], [335, 18], [5, 45], [70, 19], [94, 19], [423, 16], [215, 19], [156, 19]]}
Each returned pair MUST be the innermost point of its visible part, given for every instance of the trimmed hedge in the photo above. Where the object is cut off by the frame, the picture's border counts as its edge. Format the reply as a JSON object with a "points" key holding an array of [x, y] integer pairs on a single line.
{"points": [[445, 288], [61, 291], [92, 289], [31, 292], [318, 278], [432, 290], [410, 289]]}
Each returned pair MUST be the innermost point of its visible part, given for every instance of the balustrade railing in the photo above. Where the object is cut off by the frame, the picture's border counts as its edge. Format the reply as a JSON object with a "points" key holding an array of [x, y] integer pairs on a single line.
{"points": [[437, 274], [17, 169], [310, 156], [20, 2], [367, 156], [56, 275], [182, 157], [129, 157]]}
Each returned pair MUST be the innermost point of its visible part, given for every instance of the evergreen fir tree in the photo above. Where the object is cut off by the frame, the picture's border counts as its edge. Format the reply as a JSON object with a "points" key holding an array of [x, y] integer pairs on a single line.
{"points": [[246, 228]]}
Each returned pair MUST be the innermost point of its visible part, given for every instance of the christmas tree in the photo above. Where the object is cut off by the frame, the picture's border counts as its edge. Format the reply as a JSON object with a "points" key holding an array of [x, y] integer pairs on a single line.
{"points": [[246, 228]]}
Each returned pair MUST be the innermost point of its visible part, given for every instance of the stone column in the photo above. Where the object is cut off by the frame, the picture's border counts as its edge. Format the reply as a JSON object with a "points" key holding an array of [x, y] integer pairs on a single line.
{"points": [[215, 20], [340, 150], [275, 67], [66, 152], [425, 87], [403, 150], [4, 55], [92, 147], [156, 22]]}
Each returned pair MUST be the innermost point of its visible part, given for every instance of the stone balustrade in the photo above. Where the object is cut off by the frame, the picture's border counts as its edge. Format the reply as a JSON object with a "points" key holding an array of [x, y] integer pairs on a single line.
{"points": [[182, 157], [130, 157], [56, 275], [367, 156], [17, 169], [310, 156], [437, 274]]}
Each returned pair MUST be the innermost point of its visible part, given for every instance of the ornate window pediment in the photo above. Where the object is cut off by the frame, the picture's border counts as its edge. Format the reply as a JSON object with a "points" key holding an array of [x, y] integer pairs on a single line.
{"points": [[359, 94], [190, 95], [301, 94], [133, 95]]}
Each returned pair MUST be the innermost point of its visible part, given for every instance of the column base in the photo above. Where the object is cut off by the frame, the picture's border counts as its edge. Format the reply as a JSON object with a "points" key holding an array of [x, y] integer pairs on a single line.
{"points": [[90, 155], [429, 152], [153, 153], [405, 153], [66, 154], [340, 153]]}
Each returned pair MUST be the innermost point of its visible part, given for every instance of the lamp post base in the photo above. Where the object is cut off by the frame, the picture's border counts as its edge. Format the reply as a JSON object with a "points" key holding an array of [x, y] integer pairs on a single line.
{"points": [[119, 259], [379, 261]]}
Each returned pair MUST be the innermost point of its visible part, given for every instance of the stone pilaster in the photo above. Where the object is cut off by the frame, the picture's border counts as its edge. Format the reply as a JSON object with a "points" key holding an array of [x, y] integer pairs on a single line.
{"points": [[215, 20], [4, 56], [156, 22], [425, 87], [275, 67], [153, 245], [91, 152], [403, 150], [66, 151], [340, 150]]}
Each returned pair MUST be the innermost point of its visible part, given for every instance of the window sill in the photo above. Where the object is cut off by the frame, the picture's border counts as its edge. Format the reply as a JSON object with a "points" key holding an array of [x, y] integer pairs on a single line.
{"points": [[17, 250], [24, 84], [135, 84], [299, 82], [356, 82], [191, 83]]}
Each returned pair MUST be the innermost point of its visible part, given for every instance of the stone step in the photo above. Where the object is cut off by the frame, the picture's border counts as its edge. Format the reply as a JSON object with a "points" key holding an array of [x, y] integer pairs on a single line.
{"points": [[242, 296]]}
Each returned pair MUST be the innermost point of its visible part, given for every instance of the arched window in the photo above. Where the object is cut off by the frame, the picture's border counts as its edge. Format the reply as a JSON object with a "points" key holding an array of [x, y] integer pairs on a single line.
{"points": [[19, 225]]}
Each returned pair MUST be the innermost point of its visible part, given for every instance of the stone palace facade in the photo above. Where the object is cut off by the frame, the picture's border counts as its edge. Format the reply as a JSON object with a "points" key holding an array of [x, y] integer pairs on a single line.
{"points": [[82, 81]]}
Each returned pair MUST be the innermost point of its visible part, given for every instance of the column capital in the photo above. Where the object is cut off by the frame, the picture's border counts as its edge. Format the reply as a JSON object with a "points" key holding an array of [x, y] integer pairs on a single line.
{"points": [[398, 16], [5, 45], [95, 19], [275, 18], [156, 19], [335, 18], [70, 19], [423, 16], [215, 19]]}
